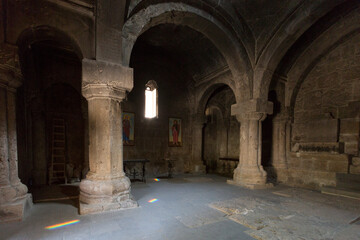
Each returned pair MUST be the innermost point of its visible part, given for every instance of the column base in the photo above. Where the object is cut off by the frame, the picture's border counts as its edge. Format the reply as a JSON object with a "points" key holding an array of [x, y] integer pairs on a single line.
{"points": [[16, 211], [250, 177], [98, 196]]}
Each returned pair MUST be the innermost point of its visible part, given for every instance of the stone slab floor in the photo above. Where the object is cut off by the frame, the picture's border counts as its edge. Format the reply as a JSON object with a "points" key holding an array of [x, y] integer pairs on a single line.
{"points": [[200, 207]]}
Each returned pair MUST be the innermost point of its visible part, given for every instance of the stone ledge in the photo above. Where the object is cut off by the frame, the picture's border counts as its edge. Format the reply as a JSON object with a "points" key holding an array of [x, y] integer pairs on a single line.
{"points": [[341, 192], [319, 147]]}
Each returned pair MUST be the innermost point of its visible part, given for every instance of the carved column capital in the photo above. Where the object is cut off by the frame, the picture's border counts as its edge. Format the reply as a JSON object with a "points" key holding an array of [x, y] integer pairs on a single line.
{"points": [[98, 91], [256, 116], [253, 109], [97, 72], [101, 79]]}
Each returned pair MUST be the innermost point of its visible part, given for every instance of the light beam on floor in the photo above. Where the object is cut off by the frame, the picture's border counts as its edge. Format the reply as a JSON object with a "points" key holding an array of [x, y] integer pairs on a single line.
{"points": [[59, 225], [153, 200]]}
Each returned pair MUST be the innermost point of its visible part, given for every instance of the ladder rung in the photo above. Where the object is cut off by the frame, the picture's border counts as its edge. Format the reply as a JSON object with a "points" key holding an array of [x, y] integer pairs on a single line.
{"points": [[58, 159]]}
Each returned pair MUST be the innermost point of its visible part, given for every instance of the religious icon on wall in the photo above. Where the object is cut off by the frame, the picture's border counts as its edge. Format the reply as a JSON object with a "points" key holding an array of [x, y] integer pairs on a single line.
{"points": [[175, 131], [128, 124]]}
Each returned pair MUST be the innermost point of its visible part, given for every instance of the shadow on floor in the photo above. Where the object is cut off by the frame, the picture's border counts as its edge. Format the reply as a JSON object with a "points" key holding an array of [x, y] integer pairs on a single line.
{"points": [[55, 193]]}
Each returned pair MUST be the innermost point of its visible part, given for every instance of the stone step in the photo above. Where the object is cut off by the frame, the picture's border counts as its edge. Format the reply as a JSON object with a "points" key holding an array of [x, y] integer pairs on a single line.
{"points": [[344, 192], [348, 181]]}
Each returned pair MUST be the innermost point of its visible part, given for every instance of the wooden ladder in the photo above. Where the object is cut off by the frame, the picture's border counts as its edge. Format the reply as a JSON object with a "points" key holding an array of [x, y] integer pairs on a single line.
{"points": [[57, 171]]}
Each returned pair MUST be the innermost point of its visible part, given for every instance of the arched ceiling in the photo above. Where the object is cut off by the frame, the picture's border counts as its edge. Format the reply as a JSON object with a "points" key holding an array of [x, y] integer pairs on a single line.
{"points": [[254, 21], [181, 46]]}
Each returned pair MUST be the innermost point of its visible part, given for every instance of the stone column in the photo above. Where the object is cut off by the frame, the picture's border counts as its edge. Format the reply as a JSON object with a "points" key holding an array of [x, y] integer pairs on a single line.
{"points": [[84, 111], [197, 165], [13, 194], [249, 172], [279, 146], [106, 187]]}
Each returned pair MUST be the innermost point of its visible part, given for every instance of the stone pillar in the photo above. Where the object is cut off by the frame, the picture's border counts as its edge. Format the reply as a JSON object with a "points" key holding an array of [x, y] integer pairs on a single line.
{"points": [[279, 146], [84, 111], [106, 187], [197, 165], [249, 172], [14, 199]]}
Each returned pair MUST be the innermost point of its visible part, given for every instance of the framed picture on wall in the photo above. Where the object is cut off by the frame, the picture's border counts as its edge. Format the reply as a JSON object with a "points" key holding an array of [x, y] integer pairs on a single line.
{"points": [[175, 132], [128, 125]]}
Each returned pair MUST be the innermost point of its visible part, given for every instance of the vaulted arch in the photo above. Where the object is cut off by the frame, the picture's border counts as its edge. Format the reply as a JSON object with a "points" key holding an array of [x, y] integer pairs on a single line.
{"points": [[298, 27], [182, 14]]}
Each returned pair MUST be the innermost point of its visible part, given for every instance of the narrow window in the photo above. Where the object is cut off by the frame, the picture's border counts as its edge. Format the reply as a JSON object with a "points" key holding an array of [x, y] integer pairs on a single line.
{"points": [[151, 99]]}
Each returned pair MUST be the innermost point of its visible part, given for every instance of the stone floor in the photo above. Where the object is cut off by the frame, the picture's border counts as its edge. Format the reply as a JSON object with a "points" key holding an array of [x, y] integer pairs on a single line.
{"points": [[202, 207]]}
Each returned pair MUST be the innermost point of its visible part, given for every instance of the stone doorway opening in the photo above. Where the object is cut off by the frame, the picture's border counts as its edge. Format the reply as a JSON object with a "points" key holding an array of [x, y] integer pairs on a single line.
{"points": [[221, 133], [51, 118]]}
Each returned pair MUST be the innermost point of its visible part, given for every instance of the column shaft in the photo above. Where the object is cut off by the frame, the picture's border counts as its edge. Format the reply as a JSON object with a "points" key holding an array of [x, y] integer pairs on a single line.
{"points": [[250, 173], [106, 187], [13, 194], [197, 165], [4, 150], [280, 142], [12, 141]]}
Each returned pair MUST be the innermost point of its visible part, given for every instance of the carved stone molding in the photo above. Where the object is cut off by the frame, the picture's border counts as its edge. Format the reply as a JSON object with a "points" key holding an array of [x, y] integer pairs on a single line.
{"points": [[252, 108], [96, 72]]}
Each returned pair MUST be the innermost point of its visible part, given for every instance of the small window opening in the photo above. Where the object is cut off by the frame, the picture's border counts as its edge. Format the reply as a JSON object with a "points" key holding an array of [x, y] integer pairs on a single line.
{"points": [[151, 99]]}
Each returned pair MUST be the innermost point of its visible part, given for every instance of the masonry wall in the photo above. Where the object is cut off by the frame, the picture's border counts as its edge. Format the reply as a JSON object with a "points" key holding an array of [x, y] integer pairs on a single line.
{"points": [[152, 135], [325, 131]]}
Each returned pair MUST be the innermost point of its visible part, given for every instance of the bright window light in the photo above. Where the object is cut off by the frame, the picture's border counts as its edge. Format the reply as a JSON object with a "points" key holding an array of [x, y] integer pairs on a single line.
{"points": [[151, 100]]}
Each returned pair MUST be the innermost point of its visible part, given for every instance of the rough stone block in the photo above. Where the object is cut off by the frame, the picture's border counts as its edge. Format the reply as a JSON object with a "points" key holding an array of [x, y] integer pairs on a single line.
{"points": [[349, 126], [319, 165], [356, 161], [352, 148], [340, 167], [323, 130], [354, 169]]}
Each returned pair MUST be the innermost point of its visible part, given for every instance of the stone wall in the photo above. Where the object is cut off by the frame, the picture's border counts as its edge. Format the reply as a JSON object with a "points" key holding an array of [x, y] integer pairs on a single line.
{"points": [[328, 91], [151, 135], [325, 131]]}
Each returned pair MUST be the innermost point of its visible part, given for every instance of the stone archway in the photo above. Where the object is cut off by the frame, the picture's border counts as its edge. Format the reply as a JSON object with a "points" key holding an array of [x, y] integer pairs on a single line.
{"points": [[285, 39], [179, 13], [47, 56]]}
